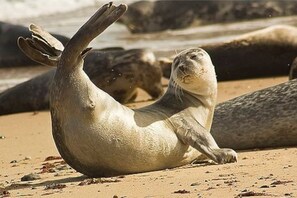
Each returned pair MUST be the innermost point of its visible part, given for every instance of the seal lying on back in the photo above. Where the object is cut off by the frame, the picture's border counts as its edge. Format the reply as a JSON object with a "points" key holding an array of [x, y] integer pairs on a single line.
{"points": [[98, 136], [261, 53]]}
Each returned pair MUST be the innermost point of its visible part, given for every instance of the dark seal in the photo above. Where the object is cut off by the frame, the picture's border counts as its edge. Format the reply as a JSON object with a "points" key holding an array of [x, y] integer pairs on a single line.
{"points": [[262, 119], [154, 16], [262, 53], [10, 54]]}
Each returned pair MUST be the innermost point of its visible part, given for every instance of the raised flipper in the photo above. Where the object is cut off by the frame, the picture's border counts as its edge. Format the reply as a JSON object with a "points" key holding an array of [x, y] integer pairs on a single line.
{"points": [[191, 132], [103, 18], [42, 47]]}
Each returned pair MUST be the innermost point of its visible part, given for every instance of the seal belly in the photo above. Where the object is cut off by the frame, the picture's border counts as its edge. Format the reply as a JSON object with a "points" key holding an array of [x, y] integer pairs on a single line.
{"points": [[129, 150]]}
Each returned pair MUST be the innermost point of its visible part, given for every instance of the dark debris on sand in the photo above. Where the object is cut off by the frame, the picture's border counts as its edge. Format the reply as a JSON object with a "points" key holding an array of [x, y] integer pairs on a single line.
{"points": [[98, 181], [55, 186]]}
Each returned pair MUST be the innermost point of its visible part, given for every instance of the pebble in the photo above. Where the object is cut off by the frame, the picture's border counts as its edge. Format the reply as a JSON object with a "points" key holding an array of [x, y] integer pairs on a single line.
{"points": [[30, 177], [195, 184], [2, 137], [14, 161], [182, 191], [28, 158]]}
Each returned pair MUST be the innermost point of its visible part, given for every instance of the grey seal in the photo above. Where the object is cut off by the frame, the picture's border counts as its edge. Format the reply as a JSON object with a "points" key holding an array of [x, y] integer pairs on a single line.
{"points": [[98, 136], [263, 53], [293, 70], [155, 16], [262, 119], [117, 71], [10, 54]]}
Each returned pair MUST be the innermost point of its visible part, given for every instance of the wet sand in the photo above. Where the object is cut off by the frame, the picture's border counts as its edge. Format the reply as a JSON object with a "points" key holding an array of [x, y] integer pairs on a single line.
{"points": [[26, 142]]}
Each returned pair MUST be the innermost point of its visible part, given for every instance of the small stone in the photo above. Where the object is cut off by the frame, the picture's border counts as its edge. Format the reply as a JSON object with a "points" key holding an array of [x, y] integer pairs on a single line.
{"points": [[4, 193], [195, 184], [14, 161], [49, 158], [28, 158], [264, 186], [2, 137], [30, 177], [182, 191]]}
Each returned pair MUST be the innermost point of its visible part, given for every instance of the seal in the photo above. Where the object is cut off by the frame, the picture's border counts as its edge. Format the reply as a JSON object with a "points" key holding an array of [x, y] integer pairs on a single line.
{"points": [[293, 70], [98, 136], [155, 16], [262, 119], [10, 54], [116, 71], [262, 53]]}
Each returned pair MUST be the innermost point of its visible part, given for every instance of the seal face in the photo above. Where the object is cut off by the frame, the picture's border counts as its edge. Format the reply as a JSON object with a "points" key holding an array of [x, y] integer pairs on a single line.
{"points": [[192, 69], [98, 136]]}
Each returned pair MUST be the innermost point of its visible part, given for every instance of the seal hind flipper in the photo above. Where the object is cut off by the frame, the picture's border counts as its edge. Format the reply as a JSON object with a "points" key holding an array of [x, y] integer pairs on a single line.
{"points": [[28, 46], [193, 133], [42, 47], [39, 34]]}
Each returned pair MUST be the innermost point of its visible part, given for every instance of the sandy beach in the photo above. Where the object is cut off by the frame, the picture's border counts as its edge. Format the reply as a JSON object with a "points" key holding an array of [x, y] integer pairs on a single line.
{"points": [[27, 146], [30, 165]]}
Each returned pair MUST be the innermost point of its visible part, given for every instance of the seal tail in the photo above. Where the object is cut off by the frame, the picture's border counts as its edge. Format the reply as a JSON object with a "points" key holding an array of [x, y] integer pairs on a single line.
{"points": [[42, 47], [76, 49]]}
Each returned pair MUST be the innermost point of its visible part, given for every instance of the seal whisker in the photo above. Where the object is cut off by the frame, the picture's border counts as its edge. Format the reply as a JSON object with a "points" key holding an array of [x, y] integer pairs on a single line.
{"points": [[177, 91]]}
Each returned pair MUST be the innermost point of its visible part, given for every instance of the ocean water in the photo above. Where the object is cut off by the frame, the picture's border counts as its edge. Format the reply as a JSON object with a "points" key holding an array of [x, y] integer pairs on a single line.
{"points": [[18, 9], [66, 16]]}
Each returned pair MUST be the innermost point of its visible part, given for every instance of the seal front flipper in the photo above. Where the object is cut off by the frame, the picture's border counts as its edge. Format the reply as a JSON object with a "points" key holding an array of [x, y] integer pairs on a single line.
{"points": [[191, 132], [42, 47]]}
